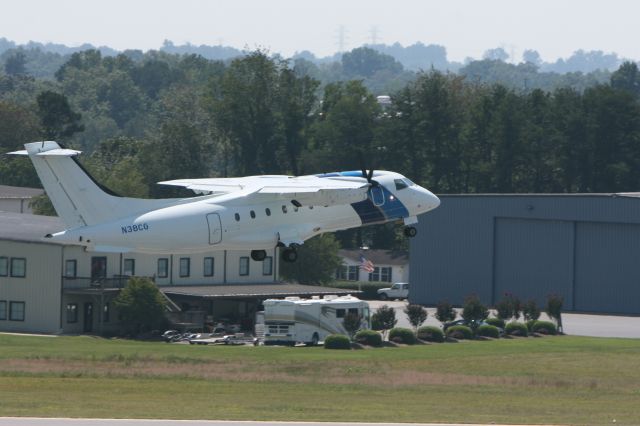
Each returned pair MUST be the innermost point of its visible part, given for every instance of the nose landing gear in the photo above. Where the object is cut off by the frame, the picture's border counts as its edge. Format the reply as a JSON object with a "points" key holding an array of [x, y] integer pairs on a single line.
{"points": [[410, 232]]}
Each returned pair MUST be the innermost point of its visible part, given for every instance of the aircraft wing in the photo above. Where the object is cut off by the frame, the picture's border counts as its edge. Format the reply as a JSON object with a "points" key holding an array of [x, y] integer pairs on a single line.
{"points": [[304, 190]]}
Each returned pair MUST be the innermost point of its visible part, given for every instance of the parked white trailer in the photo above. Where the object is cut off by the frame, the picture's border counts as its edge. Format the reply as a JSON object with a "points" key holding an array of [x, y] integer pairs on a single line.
{"points": [[294, 320]]}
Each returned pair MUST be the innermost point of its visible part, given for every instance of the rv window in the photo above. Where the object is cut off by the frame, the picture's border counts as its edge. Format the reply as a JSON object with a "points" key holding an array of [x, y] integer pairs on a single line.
{"points": [[339, 313], [353, 311]]}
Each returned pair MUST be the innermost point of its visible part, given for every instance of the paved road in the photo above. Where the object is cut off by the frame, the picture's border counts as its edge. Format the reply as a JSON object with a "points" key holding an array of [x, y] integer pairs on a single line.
{"points": [[16, 421], [574, 324]]}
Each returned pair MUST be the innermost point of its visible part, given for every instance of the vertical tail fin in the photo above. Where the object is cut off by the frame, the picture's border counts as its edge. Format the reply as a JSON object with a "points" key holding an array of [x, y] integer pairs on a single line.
{"points": [[78, 199]]}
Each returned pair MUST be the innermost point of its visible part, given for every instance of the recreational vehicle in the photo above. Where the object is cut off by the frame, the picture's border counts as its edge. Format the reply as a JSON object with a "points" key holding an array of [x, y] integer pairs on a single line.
{"points": [[294, 320]]}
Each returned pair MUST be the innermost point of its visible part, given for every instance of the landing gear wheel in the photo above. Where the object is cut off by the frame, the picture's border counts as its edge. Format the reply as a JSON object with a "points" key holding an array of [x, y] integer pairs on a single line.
{"points": [[258, 255], [289, 255], [410, 232]]}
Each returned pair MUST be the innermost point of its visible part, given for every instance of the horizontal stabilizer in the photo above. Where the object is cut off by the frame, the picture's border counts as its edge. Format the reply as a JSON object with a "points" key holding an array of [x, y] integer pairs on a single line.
{"points": [[62, 152], [23, 152]]}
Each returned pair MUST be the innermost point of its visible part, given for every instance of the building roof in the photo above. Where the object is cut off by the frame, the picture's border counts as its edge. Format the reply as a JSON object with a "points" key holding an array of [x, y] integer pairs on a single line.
{"points": [[251, 290], [28, 227], [19, 192], [378, 257]]}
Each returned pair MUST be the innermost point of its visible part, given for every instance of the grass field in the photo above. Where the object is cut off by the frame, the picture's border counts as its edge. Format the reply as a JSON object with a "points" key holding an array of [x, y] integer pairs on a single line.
{"points": [[557, 380]]}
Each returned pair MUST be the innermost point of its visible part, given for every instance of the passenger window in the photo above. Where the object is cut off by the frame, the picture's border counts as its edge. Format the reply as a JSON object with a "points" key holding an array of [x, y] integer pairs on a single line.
{"points": [[253, 214], [267, 211], [237, 217], [400, 184], [340, 313], [284, 209]]}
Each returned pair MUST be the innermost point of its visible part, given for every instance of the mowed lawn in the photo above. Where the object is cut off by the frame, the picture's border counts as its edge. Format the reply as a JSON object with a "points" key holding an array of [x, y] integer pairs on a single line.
{"points": [[551, 380]]}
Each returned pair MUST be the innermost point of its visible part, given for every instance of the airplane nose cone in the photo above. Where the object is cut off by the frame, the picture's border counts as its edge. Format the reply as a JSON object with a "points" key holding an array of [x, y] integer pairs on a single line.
{"points": [[433, 201]]}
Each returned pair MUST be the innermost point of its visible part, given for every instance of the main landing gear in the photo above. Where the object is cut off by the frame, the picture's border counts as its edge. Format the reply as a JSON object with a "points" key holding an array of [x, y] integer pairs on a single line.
{"points": [[290, 254], [258, 255], [410, 232]]}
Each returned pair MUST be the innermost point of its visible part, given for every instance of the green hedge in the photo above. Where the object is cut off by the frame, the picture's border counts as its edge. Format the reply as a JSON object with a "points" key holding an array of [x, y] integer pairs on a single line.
{"points": [[488, 331], [460, 332], [544, 327], [337, 341], [496, 322], [430, 333], [368, 337], [369, 289], [402, 335], [516, 329]]}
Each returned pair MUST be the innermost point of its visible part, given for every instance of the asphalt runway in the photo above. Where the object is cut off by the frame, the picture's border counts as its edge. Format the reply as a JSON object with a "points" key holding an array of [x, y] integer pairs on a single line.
{"points": [[574, 324], [24, 421]]}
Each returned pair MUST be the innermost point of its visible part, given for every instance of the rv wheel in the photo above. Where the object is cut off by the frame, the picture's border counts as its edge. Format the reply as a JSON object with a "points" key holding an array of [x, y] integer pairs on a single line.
{"points": [[258, 255]]}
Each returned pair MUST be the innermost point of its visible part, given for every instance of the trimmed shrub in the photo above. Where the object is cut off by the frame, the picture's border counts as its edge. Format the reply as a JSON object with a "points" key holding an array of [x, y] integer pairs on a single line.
{"points": [[369, 338], [431, 334], [460, 332], [530, 310], [474, 311], [496, 322], [402, 335], [337, 341], [488, 331], [530, 324], [544, 327], [445, 312], [516, 329]]}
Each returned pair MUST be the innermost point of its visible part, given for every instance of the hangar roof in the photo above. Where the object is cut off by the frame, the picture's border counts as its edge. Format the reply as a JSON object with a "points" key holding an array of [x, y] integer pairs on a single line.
{"points": [[251, 290], [28, 227], [19, 192], [378, 257]]}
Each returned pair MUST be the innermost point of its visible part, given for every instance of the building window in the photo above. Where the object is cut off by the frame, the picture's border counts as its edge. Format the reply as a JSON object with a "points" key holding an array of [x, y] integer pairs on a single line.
{"points": [[129, 268], [72, 313], [185, 266], [3, 309], [4, 266], [16, 311], [98, 267], [267, 266], [375, 275], [106, 312], [208, 266], [353, 273], [163, 267], [385, 274], [18, 267], [244, 266], [71, 268]]}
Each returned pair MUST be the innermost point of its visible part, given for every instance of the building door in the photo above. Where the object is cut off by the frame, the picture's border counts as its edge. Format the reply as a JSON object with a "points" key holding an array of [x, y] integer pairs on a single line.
{"points": [[88, 317], [215, 229]]}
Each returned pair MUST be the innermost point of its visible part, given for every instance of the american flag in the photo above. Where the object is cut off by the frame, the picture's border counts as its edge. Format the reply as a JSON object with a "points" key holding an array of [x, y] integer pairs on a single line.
{"points": [[366, 265]]}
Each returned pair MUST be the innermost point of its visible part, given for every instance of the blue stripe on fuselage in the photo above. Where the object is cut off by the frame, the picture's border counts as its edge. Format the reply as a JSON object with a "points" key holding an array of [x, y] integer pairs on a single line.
{"points": [[391, 209]]}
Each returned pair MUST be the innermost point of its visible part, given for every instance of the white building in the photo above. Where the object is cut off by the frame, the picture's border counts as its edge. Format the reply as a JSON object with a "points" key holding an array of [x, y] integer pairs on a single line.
{"points": [[388, 266], [49, 287], [16, 199]]}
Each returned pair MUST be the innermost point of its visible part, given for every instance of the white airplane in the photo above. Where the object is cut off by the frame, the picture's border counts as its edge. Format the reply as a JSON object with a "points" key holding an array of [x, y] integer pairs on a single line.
{"points": [[254, 213]]}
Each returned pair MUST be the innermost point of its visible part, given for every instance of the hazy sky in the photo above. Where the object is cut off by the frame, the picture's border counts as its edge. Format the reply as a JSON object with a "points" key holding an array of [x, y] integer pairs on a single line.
{"points": [[556, 28]]}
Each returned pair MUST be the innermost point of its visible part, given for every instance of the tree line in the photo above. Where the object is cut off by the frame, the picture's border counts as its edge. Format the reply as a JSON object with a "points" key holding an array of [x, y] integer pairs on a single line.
{"points": [[162, 116]]}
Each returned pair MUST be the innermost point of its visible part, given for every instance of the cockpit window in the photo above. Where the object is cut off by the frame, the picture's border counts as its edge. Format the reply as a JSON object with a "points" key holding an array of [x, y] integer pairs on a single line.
{"points": [[408, 182], [400, 184]]}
